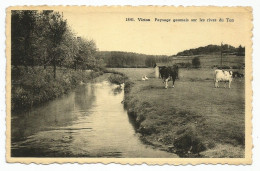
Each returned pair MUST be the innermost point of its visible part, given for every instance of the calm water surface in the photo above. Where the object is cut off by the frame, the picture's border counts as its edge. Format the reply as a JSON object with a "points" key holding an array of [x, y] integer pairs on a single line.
{"points": [[89, 122]]}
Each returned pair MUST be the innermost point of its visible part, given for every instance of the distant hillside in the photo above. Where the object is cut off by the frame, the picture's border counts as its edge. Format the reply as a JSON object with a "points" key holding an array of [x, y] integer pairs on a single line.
{"points": [[210, 55], [213, 49]]}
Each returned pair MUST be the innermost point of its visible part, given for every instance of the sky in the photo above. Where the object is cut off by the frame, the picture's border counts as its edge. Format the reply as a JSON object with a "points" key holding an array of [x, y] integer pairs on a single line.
{"points": [[112, 32]]}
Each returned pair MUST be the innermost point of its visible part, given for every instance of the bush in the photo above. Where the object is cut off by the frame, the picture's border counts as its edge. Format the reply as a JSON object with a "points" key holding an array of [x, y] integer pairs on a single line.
{"points": [[196, 62], [117, 78]]}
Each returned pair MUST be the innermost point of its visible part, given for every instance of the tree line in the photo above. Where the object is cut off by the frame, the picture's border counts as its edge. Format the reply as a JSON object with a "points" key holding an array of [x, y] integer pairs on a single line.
{"points": [[44, 38], [239, 51], [116, 59]]}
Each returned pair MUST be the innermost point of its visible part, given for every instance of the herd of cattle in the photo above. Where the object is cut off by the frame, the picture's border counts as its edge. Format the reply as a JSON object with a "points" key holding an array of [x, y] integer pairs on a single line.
{"points": [[171, 73]]}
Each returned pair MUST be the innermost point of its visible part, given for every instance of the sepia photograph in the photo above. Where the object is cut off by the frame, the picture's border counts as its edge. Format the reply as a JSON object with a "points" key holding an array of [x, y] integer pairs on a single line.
{"points": [[143, 84]]}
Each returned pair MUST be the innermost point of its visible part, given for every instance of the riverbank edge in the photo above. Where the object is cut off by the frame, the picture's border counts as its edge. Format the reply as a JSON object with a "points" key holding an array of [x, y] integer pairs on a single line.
{"points": [[186, 142], [31, 93], [138, 119]]}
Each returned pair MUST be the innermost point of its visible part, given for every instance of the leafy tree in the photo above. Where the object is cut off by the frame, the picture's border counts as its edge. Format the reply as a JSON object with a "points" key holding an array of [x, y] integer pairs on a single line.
{"points": [[57, 26], [36, 38], [70, 48], [22, 30], [86, 57]]}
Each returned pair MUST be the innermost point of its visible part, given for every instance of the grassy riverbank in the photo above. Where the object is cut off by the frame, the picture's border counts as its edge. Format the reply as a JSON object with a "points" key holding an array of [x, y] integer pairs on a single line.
{"points": [[193, 119], [33, 86]]}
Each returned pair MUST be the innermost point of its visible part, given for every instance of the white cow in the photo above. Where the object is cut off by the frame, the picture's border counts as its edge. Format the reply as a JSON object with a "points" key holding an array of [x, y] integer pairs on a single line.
{"points": [[223, 76]]}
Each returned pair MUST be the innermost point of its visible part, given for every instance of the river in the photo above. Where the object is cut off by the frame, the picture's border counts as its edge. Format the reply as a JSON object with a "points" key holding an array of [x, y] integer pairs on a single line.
{"points": [[88, 122]]}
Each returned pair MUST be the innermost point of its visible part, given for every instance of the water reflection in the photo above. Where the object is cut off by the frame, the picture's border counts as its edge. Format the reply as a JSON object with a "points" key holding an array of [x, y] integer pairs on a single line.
{"points": [[89, 122], [117, 90], [84, 97], [52, 114]]}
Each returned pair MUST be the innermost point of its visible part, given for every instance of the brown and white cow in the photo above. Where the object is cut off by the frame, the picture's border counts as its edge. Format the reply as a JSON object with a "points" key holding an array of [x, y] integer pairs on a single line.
{"points": [[223, 76]]}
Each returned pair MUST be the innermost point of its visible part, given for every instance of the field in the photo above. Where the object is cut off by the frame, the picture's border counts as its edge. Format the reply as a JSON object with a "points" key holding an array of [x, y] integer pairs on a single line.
{"points": [[194, 119]]}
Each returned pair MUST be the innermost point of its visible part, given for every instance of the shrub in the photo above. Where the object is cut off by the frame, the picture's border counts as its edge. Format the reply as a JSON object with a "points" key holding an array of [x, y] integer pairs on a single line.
{"points": [[117, 79], [196, 62]]}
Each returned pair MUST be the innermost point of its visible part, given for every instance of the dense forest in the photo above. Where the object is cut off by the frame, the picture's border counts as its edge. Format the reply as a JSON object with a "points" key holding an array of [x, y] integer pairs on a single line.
{"points": [[116, 59], [240, 51]]}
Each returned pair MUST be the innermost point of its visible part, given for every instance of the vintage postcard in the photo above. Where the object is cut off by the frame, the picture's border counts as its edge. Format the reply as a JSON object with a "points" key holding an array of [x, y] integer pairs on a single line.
{"points": [[129, 85]]}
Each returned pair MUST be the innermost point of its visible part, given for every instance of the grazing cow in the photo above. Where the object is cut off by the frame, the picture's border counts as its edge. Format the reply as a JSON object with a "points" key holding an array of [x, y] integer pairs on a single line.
{"points": [[223, 76], [168, 73]]}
